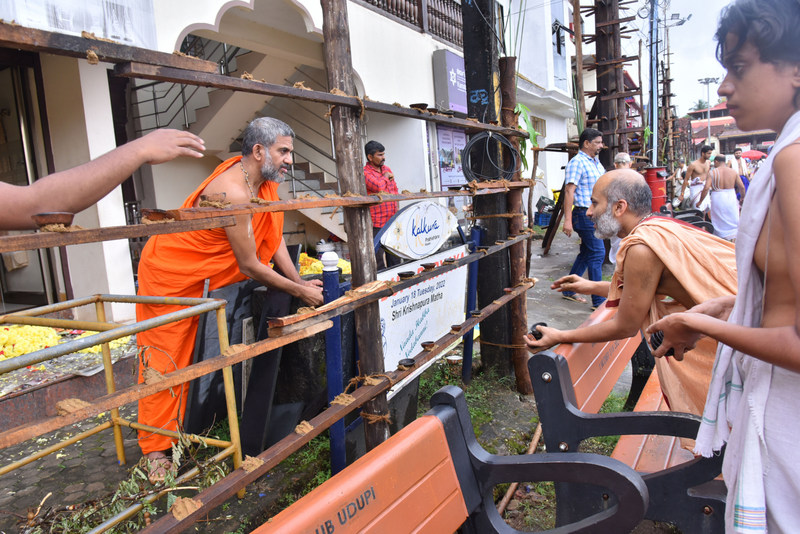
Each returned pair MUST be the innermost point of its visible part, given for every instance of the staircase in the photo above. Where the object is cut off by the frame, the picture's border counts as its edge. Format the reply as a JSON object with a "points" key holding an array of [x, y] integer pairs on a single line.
{"points": [[219, 117]]}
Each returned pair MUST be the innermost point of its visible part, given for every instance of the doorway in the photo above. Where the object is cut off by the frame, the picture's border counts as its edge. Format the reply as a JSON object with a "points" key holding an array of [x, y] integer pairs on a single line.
{"points": [[26, 277]]}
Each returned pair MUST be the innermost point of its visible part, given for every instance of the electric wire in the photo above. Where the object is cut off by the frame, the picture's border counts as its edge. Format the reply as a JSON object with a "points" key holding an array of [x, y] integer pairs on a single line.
{"points": [[482, 141]]}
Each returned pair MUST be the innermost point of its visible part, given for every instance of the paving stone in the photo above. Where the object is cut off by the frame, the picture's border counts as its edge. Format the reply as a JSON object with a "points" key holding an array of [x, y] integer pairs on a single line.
{"points": [[95, 487], [78, 486]]}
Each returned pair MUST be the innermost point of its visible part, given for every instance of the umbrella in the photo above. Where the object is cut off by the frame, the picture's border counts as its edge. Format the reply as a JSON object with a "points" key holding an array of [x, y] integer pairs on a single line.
{"points": [[753, 154]]}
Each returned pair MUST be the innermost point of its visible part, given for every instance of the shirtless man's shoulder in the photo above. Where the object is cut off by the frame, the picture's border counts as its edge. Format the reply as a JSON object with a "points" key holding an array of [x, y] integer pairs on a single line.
{"points": [[232, 184]]}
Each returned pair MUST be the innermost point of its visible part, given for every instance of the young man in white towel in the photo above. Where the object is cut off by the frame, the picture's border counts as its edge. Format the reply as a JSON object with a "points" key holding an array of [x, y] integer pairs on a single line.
{"points": [[695, 178], [754, 398], [725, 187]]}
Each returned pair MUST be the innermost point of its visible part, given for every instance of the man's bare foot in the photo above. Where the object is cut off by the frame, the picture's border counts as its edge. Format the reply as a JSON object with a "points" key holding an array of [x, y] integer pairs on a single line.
{"points": [[157, 465]]}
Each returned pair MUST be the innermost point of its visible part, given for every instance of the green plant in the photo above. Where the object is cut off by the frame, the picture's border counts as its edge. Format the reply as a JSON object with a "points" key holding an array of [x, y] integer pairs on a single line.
{"points": [[605, 444], [522, 111], [83, 517]]}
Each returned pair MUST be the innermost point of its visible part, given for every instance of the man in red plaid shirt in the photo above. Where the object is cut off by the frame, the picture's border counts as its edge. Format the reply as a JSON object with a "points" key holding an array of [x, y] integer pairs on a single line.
{"points": [[380, 179]]}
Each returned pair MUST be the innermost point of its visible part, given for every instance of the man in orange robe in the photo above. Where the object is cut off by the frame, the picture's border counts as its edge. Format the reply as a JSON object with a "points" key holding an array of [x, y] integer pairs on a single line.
{"points": [[658, 258], [179, 264]]}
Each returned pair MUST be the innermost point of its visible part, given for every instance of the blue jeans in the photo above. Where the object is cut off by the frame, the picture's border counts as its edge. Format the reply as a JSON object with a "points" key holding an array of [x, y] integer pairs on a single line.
{"points": [[592, 251]]}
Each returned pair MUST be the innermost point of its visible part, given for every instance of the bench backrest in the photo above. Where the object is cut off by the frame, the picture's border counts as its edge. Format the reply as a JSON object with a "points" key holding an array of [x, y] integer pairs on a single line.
{"points": [[394, 488], [596, 367], [434, 477]]}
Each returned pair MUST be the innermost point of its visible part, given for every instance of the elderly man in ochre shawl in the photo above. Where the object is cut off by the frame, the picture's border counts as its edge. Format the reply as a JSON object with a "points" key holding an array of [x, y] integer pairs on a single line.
{"points": [[663, 266]]}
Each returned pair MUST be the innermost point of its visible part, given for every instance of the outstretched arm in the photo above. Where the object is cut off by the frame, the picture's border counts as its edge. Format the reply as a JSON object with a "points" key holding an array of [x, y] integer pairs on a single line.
{"points": [[686, 181], [706, 189], [578, 284], [244, 249], [642, 274], [78, 188], [777, 340]]}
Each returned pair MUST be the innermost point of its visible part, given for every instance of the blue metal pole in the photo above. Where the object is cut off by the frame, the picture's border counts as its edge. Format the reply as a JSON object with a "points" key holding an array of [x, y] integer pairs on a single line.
{"points": [[472, 301], [333, 358]]}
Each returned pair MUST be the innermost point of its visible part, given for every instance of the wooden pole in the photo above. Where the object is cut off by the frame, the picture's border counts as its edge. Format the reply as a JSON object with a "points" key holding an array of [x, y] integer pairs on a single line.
{"points": [[482, 76], [357, 221], [529, 244], [576, 23], [519, 314]]}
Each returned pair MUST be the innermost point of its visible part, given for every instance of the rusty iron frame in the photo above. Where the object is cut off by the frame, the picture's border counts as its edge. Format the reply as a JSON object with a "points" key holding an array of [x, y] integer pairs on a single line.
{"points": [[108, 332]]}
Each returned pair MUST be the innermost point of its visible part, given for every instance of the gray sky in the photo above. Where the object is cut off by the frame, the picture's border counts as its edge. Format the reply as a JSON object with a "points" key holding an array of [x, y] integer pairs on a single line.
{"points": [[692, 45]]}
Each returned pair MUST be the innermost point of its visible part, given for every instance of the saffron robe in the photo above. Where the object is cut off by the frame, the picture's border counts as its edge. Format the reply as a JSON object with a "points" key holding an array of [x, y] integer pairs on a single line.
{"points": [[705, 266], [177, 265]]}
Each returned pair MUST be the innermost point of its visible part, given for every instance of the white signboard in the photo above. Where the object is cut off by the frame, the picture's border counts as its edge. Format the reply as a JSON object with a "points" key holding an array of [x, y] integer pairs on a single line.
{"points": [[419, 230], [424, 312]]}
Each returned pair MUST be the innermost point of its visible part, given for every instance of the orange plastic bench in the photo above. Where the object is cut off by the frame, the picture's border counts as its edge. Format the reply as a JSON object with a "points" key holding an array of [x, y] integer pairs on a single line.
{"points": [[433, 477], [571, 384]]}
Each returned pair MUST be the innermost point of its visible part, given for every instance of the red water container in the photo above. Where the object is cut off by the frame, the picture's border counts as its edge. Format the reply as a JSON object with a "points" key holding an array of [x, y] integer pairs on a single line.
{"points": [[656, 178]]}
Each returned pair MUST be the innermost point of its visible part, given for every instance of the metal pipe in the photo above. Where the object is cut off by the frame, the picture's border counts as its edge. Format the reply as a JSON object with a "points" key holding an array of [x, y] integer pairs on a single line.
{"points": [[707, 82], [155, 105], [71, 324], [230, 396], [59, 306], [472, 302], [128, 512], [194, 438], [183, 107], [333, 359], [108, 369], [53, 448], [49, 353], [654, 81]]}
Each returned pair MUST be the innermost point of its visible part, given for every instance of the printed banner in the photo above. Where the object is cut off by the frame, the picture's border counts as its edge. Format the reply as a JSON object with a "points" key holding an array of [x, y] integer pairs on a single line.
{"points": [[424, 312], [451, 143]]}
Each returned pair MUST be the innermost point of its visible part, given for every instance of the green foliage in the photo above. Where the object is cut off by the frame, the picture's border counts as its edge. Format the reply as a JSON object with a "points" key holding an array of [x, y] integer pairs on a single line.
{"points": [[83, 517], [313, 458], [477, 393], [615, 403], [524, 113]]}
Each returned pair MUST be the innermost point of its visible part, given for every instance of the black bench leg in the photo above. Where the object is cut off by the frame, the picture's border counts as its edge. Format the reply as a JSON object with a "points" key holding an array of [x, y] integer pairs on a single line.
{"points": [[642, 364]]}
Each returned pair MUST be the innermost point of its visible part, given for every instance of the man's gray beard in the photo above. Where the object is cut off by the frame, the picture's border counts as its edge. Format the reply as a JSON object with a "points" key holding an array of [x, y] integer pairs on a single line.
{"points": [[271, 173], [606, 226]]}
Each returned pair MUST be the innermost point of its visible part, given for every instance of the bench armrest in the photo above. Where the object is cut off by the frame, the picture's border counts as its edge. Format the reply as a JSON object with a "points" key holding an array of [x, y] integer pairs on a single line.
{"points": [[487, 470]]}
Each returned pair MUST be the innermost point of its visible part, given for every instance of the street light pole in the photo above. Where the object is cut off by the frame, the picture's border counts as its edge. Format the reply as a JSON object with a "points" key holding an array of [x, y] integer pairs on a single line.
{"points": [[707, 82], [654, 82]]}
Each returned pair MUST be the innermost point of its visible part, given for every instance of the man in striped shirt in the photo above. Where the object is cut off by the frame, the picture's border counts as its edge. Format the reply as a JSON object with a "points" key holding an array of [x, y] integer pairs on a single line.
{"points": [[581, 174]]}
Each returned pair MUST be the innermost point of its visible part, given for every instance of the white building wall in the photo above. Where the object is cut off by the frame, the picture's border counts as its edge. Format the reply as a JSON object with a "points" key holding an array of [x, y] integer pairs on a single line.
{"points": [[406, 143], [538, 90], [79, 115]]}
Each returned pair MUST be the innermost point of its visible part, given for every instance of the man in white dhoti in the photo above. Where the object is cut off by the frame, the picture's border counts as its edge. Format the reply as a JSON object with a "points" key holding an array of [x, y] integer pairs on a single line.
{"points": [[723, 184], [753, 401], [695, 178]]}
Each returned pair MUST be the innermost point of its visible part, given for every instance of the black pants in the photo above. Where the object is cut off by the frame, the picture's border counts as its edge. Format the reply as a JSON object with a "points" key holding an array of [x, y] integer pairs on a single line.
{"points": [[382, 258]]}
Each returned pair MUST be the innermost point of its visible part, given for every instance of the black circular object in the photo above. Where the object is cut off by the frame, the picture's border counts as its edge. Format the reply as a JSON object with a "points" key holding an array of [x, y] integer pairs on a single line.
{"points": [[406, 274], [656, 339], [407, 362], [537, 335], [482, 147], [475, 313]]}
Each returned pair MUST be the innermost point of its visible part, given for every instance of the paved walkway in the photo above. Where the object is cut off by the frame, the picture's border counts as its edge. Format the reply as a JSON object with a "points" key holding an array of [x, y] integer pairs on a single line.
{"points": [[89, 469]]}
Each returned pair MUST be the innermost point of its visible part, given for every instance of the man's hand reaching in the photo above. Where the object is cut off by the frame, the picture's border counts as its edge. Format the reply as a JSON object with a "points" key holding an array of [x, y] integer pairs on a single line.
{"points": [[160, 146], [548, 339], [572, 283]]}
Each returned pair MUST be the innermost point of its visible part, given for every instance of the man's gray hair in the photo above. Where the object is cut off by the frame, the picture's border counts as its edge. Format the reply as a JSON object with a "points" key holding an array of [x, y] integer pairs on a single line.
{"points": [[264, 131], [634, 190], [622, 157]]}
